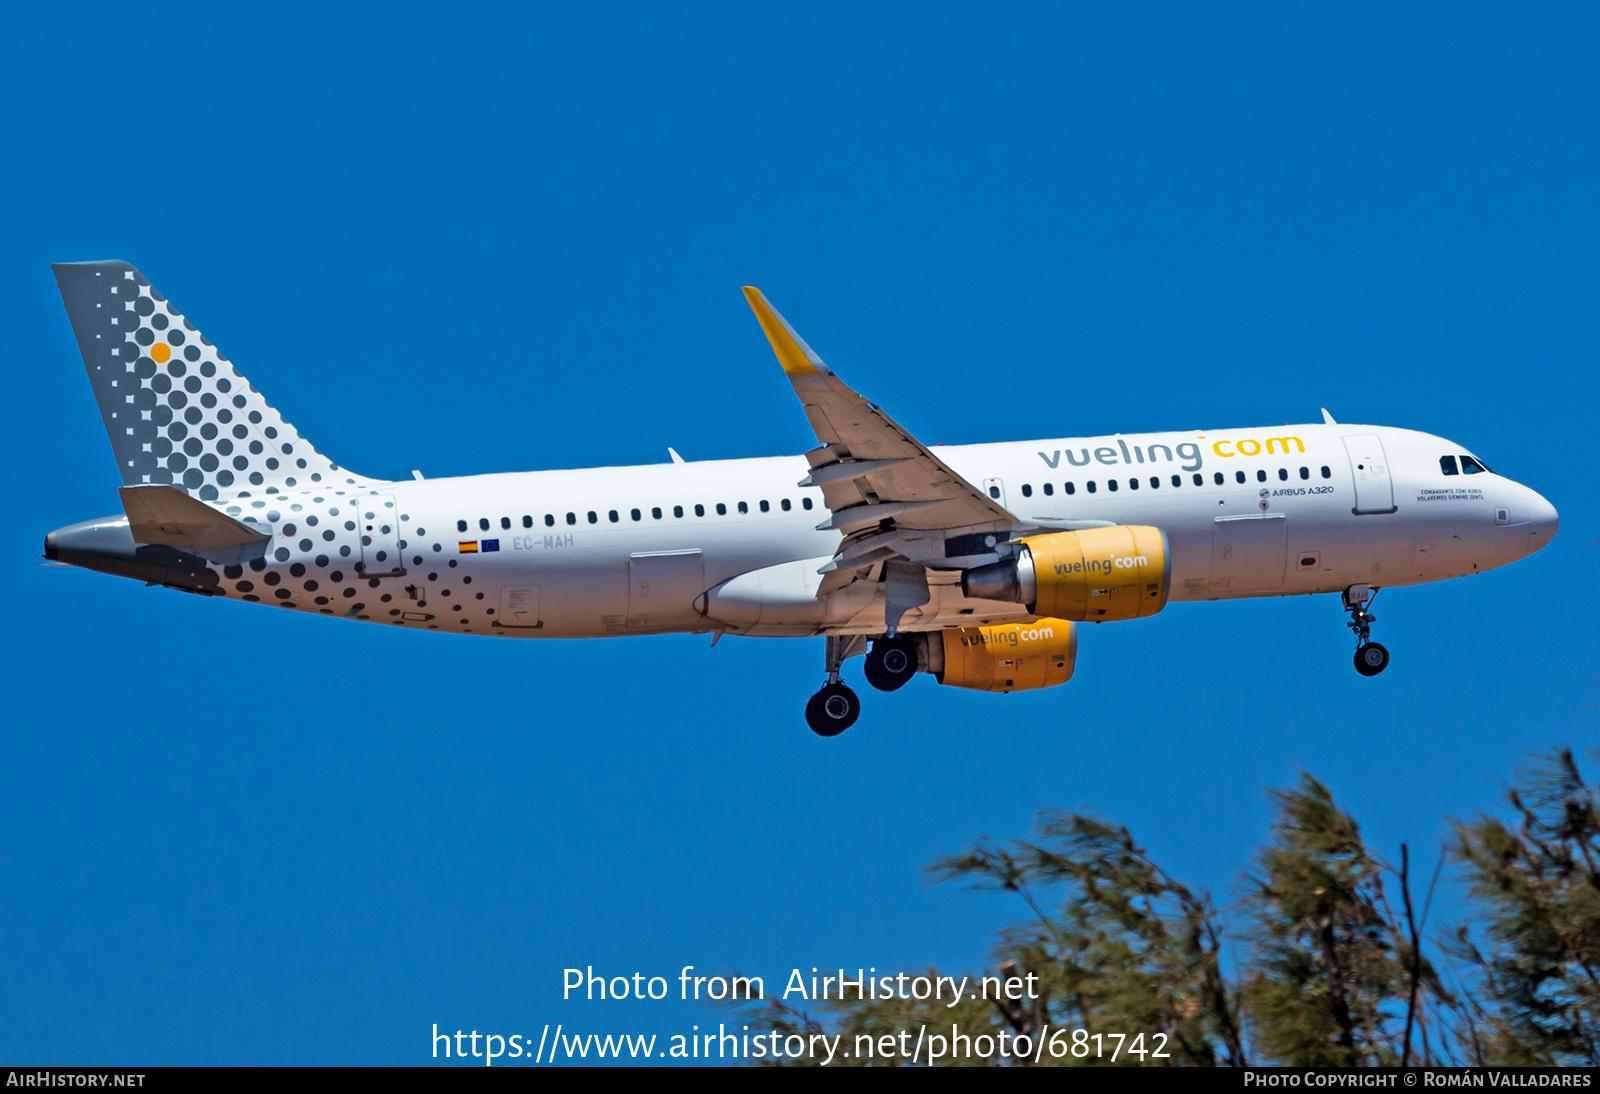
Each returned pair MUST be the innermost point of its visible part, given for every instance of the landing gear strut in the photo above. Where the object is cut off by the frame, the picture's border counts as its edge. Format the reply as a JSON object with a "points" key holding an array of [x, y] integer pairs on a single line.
{"points": [[835, 708], [1371, 657]]}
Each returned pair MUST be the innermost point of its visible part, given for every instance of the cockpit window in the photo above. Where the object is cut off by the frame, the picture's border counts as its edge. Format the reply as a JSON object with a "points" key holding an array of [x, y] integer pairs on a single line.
{"points": [[1447, 464], [1470, 466]]}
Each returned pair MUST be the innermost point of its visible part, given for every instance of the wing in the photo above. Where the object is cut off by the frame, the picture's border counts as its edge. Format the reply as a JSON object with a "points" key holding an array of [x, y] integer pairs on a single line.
{"points": [[884, 489]]}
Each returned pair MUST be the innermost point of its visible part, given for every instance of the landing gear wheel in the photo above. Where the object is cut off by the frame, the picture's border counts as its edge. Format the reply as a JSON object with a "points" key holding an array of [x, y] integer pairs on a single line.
{"points": [[832, 710], [1371, 659], [891, 664]]}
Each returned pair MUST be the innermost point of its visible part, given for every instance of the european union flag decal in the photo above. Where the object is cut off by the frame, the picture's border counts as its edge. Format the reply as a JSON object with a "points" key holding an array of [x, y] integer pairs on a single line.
{"points": [[487, 545]]}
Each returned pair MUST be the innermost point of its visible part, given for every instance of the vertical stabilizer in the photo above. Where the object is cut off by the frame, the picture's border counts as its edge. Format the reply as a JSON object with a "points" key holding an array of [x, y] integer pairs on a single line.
{"points": [[178, 412]]}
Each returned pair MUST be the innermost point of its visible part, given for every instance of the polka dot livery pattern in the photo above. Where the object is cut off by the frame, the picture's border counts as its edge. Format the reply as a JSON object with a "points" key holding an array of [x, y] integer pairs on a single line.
{"points": [[177, 411]]}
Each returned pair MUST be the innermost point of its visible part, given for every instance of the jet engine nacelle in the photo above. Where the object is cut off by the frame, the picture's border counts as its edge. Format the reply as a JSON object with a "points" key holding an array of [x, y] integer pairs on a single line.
{"points": [[1004, 657], [1095, 575]]}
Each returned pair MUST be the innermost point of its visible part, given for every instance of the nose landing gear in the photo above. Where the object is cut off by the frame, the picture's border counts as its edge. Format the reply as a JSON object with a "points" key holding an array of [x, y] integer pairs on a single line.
{"points": [[1371, 657]]}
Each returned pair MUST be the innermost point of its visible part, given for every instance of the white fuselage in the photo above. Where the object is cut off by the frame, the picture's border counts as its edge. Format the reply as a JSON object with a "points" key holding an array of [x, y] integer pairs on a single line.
{"points": [[563, 554]]}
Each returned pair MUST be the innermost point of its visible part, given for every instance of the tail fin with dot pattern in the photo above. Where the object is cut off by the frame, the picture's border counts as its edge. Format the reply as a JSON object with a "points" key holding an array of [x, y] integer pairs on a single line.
{"points": [[177, 411]]}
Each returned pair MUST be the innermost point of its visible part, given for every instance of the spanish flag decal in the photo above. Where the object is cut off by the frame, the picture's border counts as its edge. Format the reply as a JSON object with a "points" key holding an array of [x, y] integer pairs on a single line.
{"points": [[467, 547]]}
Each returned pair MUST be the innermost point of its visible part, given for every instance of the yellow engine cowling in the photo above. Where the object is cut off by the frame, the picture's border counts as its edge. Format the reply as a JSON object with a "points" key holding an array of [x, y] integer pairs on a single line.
{"points": [[1009, 656], [1095, 575]]}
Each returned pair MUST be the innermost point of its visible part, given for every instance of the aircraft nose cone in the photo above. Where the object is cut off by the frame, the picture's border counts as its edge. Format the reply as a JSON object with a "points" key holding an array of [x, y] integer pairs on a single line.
{"points": [[1543, 521]]}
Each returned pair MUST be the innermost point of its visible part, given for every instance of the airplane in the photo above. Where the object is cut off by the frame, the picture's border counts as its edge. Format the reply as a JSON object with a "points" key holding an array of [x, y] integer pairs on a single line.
{"points": [[973, 563]]}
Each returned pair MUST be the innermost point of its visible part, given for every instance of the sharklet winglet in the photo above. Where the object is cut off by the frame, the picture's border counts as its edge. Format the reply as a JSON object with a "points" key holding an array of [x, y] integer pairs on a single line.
{"points": [[797, 358]]}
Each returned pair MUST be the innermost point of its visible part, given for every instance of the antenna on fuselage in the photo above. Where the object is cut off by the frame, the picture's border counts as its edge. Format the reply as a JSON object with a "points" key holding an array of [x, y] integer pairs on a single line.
{"points": [[1327, 419]]}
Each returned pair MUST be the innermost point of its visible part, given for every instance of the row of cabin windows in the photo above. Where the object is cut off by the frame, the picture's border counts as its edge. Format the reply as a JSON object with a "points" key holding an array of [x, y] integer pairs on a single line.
{"points": [[656, 513], [1469, 466], [1218, 479]]}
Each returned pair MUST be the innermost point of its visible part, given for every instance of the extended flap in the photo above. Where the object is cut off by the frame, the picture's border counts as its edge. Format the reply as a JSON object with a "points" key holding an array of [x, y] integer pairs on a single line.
{"points": [[166, 515]]}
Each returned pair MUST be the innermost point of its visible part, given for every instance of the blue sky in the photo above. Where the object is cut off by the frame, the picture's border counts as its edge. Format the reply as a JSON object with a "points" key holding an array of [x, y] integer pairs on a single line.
{"points": [[507, 239]]}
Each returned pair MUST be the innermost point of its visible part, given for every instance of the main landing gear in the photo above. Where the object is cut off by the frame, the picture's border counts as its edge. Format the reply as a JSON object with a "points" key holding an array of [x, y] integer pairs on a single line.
{"points": [[891, 663], [832, 710], [1371, 657], [835, 708]]}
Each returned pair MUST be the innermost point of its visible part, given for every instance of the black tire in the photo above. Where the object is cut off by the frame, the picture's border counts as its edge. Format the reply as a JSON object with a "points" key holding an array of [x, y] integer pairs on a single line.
{"points": [[1371, 659], [832, 710], [891, 663]]}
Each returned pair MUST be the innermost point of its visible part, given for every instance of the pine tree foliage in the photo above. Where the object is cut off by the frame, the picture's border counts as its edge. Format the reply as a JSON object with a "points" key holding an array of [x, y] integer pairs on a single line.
{"points": [[1112, 942], [1534, 957], [1115, 942], [1330, 973], [1328, 965]]}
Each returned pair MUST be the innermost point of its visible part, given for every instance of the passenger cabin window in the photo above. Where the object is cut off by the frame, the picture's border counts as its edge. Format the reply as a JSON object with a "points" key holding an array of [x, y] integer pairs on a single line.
{"points": [[1199, 479], [655, 513], [1154, 482], [699, 510], [594, 518], [483, 523], [784, 505], [994, 491], [611, 515], [677, 510], [635, 514], [549, 520], [1305, 472], [1027, 490], [722, 510], [1239, 475], [1111, 484], [1447, 464], [1470, 466], [743, 508], [805, 503], [1089, 486], [527, 522], [461, 526], [1218, 477], [1177, 480], [765, 508], [1326, 473], [572, 518], [505, 522], [1133, 484], [1049, 488], [1069, 488], [1261, 475]]}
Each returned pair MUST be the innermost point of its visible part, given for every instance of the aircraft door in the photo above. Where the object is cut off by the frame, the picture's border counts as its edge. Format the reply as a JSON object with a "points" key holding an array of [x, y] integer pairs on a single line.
{"points": [[1249, 553], [996, 490], [379, 522], [1370, 468], [662, 586]]}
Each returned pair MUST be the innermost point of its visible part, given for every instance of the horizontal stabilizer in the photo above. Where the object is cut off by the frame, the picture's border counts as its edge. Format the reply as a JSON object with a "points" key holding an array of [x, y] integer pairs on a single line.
{"points": [[168, 516]]}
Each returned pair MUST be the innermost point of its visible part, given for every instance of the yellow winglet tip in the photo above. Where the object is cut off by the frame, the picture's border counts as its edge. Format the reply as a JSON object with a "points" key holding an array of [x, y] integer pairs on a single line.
{"points": [[792, 352]]}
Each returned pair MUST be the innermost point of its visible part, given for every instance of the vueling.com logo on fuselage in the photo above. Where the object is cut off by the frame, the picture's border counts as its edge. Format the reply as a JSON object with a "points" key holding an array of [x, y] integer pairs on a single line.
{"points": [[1101, 565], [1187, 455]]}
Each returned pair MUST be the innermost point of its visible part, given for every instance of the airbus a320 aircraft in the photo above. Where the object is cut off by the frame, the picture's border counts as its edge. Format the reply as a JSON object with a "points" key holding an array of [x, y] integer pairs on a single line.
{"points": [[974, 563]]}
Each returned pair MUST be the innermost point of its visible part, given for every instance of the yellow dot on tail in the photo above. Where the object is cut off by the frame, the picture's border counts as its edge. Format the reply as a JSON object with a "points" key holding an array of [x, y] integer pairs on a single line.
{"points": [[160, 352]]}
